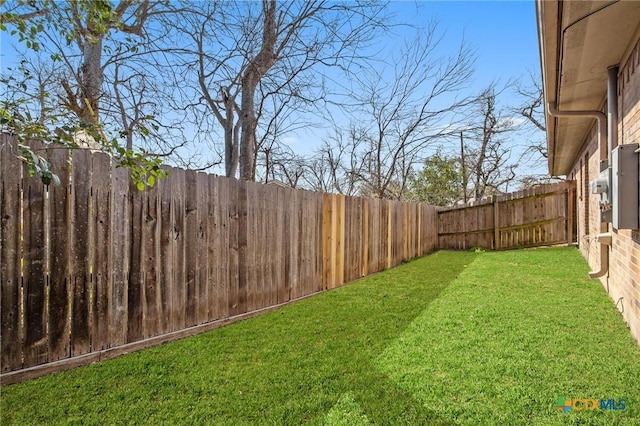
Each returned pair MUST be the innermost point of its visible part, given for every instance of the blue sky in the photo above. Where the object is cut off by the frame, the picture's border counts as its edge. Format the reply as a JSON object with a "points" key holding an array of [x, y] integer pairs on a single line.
{"points": [[503, 33]]}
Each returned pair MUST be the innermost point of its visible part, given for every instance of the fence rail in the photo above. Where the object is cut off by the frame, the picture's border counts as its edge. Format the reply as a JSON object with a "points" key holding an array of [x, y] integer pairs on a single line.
{"points": [[539, 216], [92, 267]]}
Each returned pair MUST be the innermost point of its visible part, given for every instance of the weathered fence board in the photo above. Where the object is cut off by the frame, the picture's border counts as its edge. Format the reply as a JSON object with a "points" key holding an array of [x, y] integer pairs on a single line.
{"points": [[80, 258], [11, 345], [34, 275], [191, 248], [136, 270], [202, 271], [166, 252], [102, 214], [59, 253], [177, 292], [121, 237]]}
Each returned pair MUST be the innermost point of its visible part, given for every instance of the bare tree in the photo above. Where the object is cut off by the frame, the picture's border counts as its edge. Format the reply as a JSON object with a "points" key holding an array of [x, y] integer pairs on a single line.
{"points": [[76, 35], [532, 109], [402, 110], [247, 53], [338, 165], [32, 84], [285, 167], [87, 25], [489, 158]]}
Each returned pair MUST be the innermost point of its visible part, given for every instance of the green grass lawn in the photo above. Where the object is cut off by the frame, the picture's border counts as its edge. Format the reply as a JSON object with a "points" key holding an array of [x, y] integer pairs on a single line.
{"points": [[453, 338]]}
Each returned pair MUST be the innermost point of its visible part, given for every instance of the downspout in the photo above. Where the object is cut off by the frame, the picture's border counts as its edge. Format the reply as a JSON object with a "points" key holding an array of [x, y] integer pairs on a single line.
{"points": [[602, 137], [612, 108]]}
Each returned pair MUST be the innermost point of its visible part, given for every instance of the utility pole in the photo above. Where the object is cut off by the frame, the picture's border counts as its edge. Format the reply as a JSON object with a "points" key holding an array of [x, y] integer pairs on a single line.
{"points": [[464, 169]]}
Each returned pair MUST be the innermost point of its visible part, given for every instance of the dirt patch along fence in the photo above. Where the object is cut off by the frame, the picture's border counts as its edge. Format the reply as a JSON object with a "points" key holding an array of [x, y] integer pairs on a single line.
{"points": [[92, 267], [544, 215]]}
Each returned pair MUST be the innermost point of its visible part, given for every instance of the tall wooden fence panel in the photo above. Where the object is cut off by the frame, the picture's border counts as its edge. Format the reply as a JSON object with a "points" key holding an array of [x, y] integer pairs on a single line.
{"points": [[92, 267], [543, 215]]}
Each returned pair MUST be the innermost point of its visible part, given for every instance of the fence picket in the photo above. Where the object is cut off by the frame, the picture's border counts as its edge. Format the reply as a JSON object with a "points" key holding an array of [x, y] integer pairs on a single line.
{"points": [[167, 248], [191, 248], [121, 239], [11, 343], [149, 259], [102, 213], [34, 278], [135, 290], [59, 275], [233, 261], [177, 292], [81, 254], [212, 242], [202, 277]]}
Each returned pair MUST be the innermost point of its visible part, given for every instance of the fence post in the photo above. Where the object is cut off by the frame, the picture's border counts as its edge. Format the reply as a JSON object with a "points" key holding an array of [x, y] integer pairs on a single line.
{"points": [[365, 238], [496, 223], [390, 235]]}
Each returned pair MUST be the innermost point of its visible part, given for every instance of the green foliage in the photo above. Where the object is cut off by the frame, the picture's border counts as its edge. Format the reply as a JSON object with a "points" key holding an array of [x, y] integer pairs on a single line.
{"points": [[37, 165], [16, 119], [438, 183], [17, 24], [27, 19], [145, 168]]}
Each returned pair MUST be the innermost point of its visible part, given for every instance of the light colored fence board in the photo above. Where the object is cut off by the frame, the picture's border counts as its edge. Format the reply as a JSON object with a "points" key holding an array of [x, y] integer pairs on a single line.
{"points": [[538, 216]]}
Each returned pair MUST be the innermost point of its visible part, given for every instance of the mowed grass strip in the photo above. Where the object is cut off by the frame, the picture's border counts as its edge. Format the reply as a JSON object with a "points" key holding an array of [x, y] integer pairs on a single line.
{"points": [[309, 362], [514, 333]]}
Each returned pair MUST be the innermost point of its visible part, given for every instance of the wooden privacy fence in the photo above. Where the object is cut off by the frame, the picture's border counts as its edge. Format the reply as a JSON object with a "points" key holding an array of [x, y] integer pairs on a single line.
{"points": [[544, 215], [92, 268]]}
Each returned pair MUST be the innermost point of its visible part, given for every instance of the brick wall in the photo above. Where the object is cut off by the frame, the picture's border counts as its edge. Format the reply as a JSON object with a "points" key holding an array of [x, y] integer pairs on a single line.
{"points": [[623, 280]]}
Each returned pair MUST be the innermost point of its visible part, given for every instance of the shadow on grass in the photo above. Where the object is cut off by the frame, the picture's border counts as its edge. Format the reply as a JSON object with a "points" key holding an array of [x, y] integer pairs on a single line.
{"points": [[290, 366], [517, 331]]}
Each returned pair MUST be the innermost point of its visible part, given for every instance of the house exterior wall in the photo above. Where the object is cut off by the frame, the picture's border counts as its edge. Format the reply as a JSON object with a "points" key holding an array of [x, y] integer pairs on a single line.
{"points": [[623, 279]]}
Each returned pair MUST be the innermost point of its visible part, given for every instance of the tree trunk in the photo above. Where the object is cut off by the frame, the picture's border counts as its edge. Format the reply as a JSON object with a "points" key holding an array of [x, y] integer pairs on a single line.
{"points": [[249, 125], [230, 141], [256, 69], [91, 82]]}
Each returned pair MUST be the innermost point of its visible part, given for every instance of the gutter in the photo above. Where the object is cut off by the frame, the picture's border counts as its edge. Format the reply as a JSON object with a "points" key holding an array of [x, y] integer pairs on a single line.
{"points": [[598, 115], [604, 155]]}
